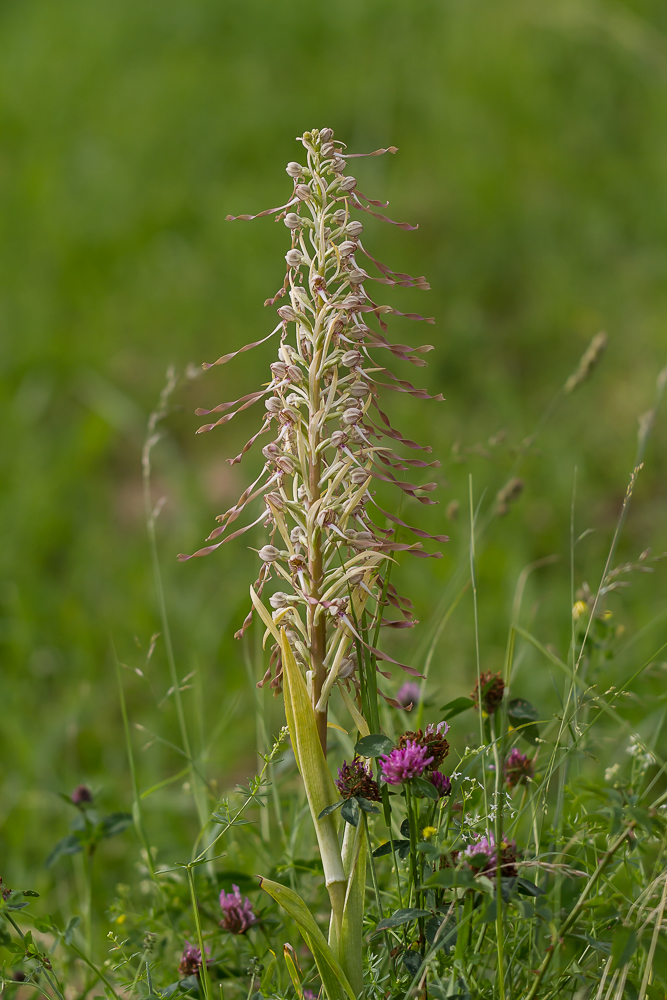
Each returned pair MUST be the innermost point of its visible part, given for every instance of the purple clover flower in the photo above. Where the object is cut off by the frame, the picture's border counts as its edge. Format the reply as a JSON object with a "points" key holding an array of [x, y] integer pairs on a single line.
{"points": [[238, 913], [518, 768], [355, 779], [404, 763], [483, 856], [442, 783], [409, 694], [81, 795], [309, 995], [190, 963]]}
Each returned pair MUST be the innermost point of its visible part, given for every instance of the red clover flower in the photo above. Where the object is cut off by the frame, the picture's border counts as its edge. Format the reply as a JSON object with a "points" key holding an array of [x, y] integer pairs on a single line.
{"points": [[441, 782], [238, 913], [190, 963], [404, 763], [82, 795], [409, 694], [518, 768], [355, 779], [483, 857]]}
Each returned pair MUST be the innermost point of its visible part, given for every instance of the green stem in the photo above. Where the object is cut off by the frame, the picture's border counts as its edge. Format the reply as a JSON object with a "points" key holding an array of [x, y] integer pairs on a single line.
{"points": [[371, 860], [47, 975], [200, 937], [98, 972]]}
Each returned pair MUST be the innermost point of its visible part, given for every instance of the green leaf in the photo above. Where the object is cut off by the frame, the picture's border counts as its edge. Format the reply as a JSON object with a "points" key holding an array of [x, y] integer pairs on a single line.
{"points": [[333, 978], [115, 823], [425, 789], [350, 811], [68, 845], [399, 917], [72, 925], [451, 878], [329, 809], [412, 961], [366, 804], [374, 745], [528, 888], [522, 711], [623, 947], [385, 849], [454, 708], [31, 892]]}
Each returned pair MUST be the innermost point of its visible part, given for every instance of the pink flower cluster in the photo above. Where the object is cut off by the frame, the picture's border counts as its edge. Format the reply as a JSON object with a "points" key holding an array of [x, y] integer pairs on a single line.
{"points": [[485, 847], [238, 913], [518, 768], [442, 783], [404, 763]]}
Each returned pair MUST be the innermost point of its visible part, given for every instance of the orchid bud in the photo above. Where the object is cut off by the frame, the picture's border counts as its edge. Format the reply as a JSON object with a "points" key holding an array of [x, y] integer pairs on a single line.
{"points": [[338, 164], [269, 553], [296, 534], [294, 258], [354, 229], [358, 390], [352, 302], [348, 183], [279, 600], [346, 668], [339, 216], [294, 399], [287, 313], [347, 248], [359, 476], [303, 192], [295, 374], [352, 416], [326, 135], [351, 359], [356, 276], [327, 516], [275, 499], [338, 439], [285, 464], [292, 221], [292, 636], [278, 369], [294, 169], [273, 404], [270, 451]]}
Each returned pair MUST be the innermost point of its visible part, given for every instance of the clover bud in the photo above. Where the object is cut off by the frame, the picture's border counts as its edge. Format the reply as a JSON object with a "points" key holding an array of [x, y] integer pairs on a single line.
{"points": [[295, 374], [351, 358], [352, 416], [339, 216], [348, 183], [292, 221], [327, 149], [354, 229], [294, 258], [303, 192], [294, 169], [279, 600], [338, 439], [279, 369], [287, 313], [359, 476], [273, 404], [326, 135], [268, 553], [347, 248]]}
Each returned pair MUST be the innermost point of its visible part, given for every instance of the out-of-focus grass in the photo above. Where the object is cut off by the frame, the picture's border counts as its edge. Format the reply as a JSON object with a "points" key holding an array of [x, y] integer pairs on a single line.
{"points": [[532, 154]]}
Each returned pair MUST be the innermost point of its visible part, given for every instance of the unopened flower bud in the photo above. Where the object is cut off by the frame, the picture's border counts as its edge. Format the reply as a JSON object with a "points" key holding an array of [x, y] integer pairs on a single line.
{"points": [[338, 164], [358, 390], [346, 668], [81, 795], [338, 439], [268, 553], [279, 369], [294, 169], [326, 135], [274, 499], [303, 192], [339, 216], [347, 248], [292, 220], [352, 302], [327, 149], [296, 534], [294, 373], [287, 313], [356, 276], [291, 635], [352, 358], [348, 183], [285, 465], [279, 600], [352, 416], [354, 229], [294, 258], [270, 451], [273, 404], [359, 476]]}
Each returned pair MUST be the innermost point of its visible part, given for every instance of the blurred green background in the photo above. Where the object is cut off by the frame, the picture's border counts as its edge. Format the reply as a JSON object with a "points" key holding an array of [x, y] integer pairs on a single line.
{"points": [[533, 152]]}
